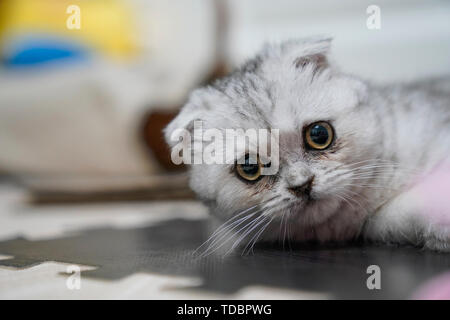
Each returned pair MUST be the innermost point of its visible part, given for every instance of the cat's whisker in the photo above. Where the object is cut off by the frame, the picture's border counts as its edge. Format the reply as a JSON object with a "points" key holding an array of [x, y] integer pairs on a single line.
{"points": [[255, 238], [393, 166], [289, 237], [353, 196], [247, 231], [232, 221], [222, 235], [343, 165], [245, 227], [383, 169], [226, 232], [350, 165], [226, 226], [257, 234], [281, 226], [250, 227], [371, 173], [353, 199], [372, 165], [375, 186], [345, 200], [285, 229]]}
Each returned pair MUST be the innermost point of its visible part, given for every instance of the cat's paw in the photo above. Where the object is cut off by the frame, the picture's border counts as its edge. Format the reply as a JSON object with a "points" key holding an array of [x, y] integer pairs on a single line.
{"points": [[432, 208], [437, 240], [437, 244]]}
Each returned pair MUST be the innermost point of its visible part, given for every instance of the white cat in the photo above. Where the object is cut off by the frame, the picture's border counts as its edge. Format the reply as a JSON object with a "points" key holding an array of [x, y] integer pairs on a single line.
{"points": [[355, 159]]}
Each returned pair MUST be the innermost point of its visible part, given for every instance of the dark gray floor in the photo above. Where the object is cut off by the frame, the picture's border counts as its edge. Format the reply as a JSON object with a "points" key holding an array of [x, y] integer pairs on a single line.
{"points": [[167, 248]]}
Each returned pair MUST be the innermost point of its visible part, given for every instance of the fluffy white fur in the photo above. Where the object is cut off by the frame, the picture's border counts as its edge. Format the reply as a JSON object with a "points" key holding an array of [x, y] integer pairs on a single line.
{"points": [[387, 140]]}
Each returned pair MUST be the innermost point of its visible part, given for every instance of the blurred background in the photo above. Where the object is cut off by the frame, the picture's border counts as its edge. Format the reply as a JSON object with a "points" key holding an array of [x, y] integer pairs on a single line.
{"points": [[87, 85]]}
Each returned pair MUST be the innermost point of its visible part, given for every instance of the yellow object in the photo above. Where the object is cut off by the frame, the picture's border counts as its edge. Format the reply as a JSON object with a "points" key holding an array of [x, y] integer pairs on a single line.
{"points": [[105, 25]]}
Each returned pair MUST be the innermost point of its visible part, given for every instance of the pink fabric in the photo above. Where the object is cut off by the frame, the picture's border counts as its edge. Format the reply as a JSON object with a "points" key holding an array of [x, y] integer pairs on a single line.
{"points": [[433, 192], [437, 288]]}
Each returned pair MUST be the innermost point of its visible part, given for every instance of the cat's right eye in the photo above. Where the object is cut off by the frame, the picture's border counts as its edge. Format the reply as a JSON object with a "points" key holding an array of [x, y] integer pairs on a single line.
{"points": [[319, 135], [249, 168]]}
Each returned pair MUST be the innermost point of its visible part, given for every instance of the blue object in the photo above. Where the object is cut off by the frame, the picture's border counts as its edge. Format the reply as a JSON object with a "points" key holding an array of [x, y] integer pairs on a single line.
{"points": [[31, 51]]}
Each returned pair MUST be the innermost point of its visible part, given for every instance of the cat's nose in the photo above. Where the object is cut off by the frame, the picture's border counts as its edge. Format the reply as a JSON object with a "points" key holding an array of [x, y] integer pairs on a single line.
{"points": [[303, 189]]}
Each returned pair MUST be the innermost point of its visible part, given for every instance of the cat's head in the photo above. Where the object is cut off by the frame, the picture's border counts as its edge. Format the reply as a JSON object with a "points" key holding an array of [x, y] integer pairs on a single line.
{"points": [[326, 131]]}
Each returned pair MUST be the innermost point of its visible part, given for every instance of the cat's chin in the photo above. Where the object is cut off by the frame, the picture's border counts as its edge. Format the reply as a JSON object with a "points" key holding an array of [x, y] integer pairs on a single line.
{"points": [[313, 220], [319, 220], [313, 211]]}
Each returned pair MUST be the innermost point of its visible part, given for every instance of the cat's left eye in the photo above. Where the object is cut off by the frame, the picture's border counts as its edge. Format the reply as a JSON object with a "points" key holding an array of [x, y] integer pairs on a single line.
{"points": [[319, 135], [249, 168]]}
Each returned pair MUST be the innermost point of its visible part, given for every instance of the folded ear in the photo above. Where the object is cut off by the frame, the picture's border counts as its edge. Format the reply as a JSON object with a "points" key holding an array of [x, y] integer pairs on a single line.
{"points": [[307, 52], [184, 121], [319, 61]]}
